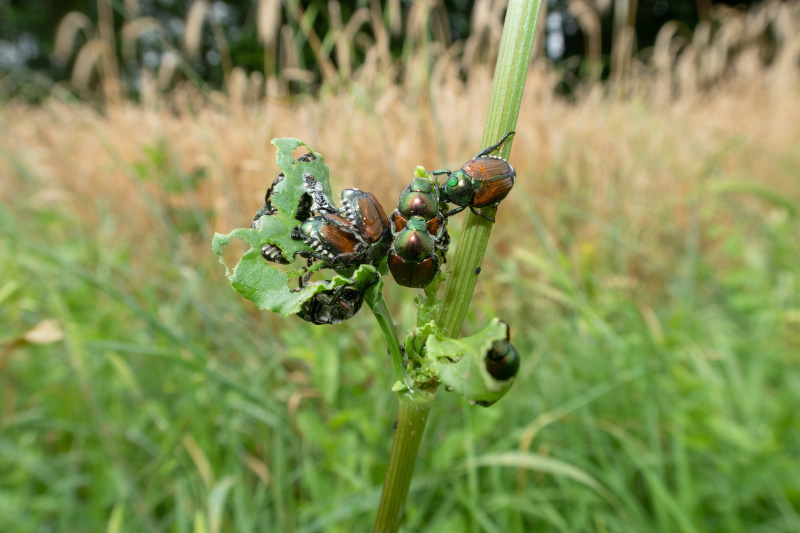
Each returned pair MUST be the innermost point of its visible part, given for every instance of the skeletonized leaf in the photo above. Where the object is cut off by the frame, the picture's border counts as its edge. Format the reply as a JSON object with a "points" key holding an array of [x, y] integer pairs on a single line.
{"points": [[264, 283], [460, 364]]}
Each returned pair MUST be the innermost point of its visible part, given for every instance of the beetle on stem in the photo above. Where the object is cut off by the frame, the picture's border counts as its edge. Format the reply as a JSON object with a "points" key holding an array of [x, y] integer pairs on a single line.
{"points": [[420, 235], [482, 181]]}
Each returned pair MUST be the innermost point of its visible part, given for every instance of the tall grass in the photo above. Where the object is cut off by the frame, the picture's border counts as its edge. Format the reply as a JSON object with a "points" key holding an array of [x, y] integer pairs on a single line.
{"points": [[653, 230]]}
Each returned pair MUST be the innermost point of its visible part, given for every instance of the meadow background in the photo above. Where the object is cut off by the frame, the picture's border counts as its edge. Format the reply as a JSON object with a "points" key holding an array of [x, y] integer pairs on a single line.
{"points": [[647, 261]]}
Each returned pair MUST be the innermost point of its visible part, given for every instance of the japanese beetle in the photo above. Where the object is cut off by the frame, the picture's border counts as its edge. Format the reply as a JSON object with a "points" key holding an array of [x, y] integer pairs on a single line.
{"points": [[370, 222], [267, 208], [420, 235], [272, 253], [338, 241], [361, 214], [502, 359], [412, 259], [420, 199], [314, 189], [482, 181], [332, 238], [332, 306], [304, 209], [269, 251], [336, 305]]}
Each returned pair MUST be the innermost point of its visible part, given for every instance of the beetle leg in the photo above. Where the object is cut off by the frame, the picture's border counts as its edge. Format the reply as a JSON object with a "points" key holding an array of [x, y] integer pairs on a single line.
{"points": [[480, 214], [455, 211], [301, 284], [492, 148], [373, 282], [303, 280], [326, 209], [443, 244], [324, 212], [314, 188], [439, 172]]}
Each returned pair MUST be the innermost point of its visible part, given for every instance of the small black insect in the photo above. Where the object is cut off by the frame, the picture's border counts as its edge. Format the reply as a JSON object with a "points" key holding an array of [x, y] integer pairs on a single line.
{"points": [[477, 271]]}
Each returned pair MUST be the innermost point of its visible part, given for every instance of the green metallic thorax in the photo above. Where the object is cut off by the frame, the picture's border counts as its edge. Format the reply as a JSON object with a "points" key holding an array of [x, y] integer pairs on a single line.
{"points": [[458, 189], [419, 199]]}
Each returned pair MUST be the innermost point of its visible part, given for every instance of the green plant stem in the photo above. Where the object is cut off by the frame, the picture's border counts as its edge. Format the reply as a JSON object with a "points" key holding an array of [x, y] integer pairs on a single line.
{"points": [[507, 87], [415, 405], [389, 329], [509, 82]]}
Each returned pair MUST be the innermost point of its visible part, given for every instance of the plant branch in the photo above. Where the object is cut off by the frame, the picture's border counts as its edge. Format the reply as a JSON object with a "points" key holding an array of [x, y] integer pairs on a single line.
{"points": [[507, 87], [415, 406], [389, 329]]}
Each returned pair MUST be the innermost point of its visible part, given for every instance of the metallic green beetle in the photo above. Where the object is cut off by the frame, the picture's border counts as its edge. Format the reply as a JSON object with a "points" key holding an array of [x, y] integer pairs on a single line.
{"points": [[502, 360], [420, 235], [357, 233], [332, 306], [413, 260], [482, 181], [332, 239]]}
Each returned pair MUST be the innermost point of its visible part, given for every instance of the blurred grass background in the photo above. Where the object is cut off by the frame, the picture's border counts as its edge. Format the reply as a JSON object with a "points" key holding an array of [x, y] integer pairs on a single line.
{"points": [[648, 262]]}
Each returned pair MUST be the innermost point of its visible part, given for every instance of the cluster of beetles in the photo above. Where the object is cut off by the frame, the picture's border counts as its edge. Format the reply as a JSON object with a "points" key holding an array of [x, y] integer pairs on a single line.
{"points": [[414, 240]]}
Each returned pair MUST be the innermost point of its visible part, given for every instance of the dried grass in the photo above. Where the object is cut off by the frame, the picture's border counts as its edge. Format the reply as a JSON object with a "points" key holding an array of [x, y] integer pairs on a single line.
{"points": [[168, 69], [134, 29], [589, 22], [132, 8], [193, 36], [728, 44], [268, 22], [90, 60], [608, 174], [67, 31]]}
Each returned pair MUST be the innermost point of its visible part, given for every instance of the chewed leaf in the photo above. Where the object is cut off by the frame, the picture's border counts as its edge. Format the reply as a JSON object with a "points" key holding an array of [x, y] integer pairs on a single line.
{"points": [[290, 200], [461, 364], [414, 345], [288, 193], [276, 229], [261, 282], [268, 286]]}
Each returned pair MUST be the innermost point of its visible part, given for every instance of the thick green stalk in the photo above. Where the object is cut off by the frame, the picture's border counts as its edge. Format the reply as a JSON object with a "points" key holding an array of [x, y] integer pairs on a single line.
{"points": [[415, 405], [507, 87]]}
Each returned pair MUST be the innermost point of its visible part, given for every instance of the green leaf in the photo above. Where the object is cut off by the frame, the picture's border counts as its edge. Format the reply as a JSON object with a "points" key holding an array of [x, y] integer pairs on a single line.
{"points": [[276, 229], [375, 292], [414, 345], [460, 364], [268, 286], [540, 463]]}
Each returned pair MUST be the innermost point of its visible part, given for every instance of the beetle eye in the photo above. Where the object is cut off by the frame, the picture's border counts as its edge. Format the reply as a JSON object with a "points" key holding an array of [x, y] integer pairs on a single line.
{"points": [[452, 181]]}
